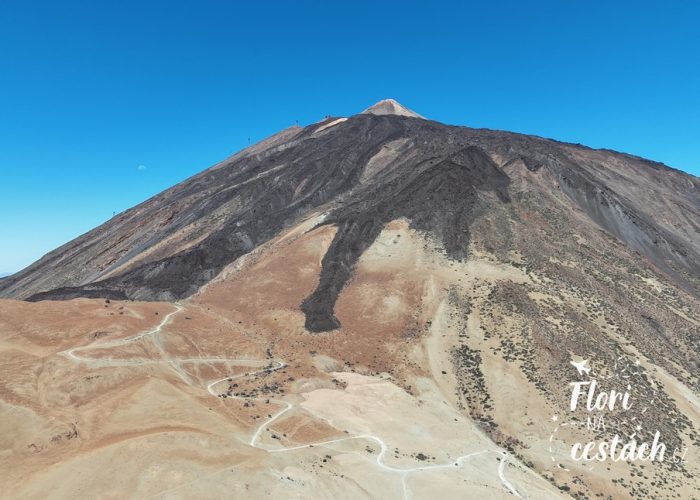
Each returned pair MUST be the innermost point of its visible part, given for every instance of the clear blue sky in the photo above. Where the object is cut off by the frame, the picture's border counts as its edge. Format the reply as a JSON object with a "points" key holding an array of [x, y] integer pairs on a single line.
{"points": [[103, 104]]}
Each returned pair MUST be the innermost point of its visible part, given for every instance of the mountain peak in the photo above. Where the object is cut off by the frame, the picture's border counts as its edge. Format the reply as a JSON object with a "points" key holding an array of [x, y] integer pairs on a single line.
{"points": [[390, 107]]}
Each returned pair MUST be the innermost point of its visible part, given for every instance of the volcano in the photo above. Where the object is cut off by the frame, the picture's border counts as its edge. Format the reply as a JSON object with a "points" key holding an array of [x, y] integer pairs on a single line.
{"points": [[359, 174], [368, 304]]}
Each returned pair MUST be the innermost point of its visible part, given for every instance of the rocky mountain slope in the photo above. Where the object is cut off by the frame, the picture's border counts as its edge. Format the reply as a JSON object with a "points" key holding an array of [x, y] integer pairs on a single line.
{"points": [[362, 172]]}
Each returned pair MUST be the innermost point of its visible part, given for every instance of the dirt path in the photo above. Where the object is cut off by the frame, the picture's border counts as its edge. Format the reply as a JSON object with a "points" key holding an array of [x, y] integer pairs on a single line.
{"points": [[269, 366]]}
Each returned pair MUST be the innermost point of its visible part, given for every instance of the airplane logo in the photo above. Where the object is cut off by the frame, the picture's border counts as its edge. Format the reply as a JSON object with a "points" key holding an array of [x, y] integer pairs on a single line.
{"points": [[581, 366]]}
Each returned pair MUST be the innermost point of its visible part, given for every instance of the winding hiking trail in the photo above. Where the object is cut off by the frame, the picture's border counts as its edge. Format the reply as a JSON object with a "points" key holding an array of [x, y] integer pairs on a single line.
{"points": [[272, 365]]}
